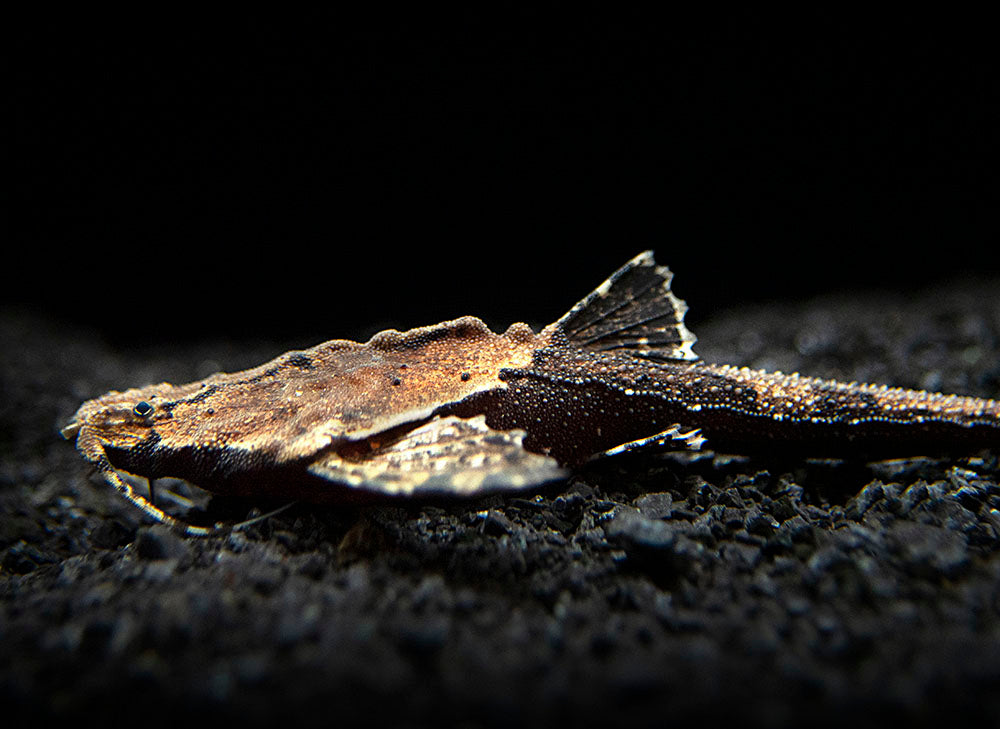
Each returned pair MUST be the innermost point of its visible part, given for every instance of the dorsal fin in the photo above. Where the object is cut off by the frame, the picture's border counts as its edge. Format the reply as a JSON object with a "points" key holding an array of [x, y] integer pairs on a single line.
{"points": [[634, 310]]}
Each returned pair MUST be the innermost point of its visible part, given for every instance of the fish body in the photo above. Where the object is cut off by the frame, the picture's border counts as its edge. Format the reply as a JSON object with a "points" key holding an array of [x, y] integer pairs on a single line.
{"points": [[456, 409]]}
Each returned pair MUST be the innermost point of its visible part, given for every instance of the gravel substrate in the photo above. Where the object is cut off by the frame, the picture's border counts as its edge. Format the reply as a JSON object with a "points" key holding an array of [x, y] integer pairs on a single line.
{"points": [[648, 590]]}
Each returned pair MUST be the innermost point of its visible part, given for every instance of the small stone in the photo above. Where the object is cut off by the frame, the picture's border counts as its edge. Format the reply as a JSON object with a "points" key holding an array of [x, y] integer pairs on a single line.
{"points": [[864, 500], [634, 529], [760, 523], [930, 551], [159, 542], [496, 523], [655, 506]]}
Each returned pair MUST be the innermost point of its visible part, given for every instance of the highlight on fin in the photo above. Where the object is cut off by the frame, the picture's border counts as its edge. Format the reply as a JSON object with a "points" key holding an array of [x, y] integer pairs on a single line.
{"points": [[674, 436], [91, 446], [633, 309], [151, 510]]}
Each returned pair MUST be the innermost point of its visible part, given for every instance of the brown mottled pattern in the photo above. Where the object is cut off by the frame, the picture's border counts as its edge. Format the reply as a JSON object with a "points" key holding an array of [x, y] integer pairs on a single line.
{"points": [[351, 391]]}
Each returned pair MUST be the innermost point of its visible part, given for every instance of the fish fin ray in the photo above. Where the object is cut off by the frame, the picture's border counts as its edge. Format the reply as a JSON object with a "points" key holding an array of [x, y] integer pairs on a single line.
{"points": [[633, 309], [446, 456]]}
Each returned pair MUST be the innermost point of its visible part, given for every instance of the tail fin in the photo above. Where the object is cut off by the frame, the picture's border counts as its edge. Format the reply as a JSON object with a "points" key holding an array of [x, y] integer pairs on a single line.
{"points": [[634, 310]]}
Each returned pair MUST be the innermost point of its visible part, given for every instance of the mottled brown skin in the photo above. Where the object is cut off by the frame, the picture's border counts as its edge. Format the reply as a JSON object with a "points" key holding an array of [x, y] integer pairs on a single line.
{"points": [[251, 432], [455, 409]]}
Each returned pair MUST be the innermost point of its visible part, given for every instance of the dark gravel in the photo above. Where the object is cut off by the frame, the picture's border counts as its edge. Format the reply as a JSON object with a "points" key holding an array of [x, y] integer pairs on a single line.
{"points": [[646, 591]]}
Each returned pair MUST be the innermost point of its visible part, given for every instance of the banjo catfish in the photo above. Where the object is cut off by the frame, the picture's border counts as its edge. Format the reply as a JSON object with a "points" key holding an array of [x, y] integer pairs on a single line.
{"points": [[454, 409]]}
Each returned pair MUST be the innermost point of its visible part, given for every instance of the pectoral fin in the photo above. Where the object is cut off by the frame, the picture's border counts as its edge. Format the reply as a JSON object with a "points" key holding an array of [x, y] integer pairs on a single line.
{"points": [[447, 456]]}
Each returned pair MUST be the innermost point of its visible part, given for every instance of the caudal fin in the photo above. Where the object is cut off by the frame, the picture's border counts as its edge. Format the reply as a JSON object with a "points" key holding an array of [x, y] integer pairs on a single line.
{"points": [[633, 310]]}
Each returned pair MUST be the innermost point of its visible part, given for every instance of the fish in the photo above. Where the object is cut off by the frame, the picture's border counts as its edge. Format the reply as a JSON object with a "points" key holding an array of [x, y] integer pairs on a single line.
{"points": [[457, 410]]}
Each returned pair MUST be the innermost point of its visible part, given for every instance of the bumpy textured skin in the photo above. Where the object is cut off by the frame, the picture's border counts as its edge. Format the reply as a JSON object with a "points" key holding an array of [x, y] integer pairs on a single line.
{"points": [[316, 424], [456, 409]]}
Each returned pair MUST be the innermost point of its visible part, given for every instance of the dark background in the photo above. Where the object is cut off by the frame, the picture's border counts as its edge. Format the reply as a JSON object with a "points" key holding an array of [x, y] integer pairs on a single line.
{"points": [[201, 177]]}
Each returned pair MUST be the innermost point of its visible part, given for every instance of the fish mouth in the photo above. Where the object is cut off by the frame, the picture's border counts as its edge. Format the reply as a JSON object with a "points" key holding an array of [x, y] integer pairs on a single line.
{"points": [[70, 430]]}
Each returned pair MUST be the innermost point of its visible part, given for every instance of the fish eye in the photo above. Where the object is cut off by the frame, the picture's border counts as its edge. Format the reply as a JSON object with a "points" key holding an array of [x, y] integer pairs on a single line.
{"points": [[142, 408]]}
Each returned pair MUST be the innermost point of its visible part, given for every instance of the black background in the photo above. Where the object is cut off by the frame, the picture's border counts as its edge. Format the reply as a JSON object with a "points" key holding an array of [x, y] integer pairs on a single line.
{"points": [[325, 176]]}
